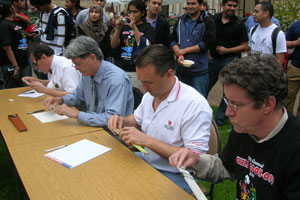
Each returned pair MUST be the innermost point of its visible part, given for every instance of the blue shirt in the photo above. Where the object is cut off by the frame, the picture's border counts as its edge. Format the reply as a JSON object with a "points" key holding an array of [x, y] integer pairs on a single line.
{"points": [[153, 22], [292, 35], [250, 23], [113, 95]]}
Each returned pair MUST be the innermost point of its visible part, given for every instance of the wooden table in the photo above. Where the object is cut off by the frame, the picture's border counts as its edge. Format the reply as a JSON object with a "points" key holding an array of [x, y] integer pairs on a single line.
{"points": [[117, 174], [37, 131]]}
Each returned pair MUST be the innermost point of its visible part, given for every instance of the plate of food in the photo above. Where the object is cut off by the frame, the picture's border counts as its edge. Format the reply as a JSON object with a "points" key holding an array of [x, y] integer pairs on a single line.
{"points": [[188, 63]]}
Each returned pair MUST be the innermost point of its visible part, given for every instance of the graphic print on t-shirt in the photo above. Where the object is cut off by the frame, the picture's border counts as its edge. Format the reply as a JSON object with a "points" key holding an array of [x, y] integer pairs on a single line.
{"points": [[129, 43]]}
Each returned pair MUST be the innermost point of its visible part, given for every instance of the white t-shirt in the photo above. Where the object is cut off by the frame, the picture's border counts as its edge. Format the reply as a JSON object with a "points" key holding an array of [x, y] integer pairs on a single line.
{"points": [[183, 119], [261, 40], [63, 76]]}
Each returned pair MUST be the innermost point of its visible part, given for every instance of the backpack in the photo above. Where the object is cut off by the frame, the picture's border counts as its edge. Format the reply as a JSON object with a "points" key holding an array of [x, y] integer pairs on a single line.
{"points": [[70, 31], [274, 37]]}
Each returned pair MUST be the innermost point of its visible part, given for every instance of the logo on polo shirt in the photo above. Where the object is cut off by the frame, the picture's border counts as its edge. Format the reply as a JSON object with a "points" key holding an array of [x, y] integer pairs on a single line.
{"points": [[169, 125]]}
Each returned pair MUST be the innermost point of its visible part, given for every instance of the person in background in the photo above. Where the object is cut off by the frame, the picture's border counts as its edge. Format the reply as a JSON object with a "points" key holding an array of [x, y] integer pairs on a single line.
{"points": [[251, 22], [293, 71], [96, 29], [193, 35], [84, 14], [14, 48], [34, 15], [205, 7], [74, 7], [231, 41], [172, 115], [158, 22], [55, 35], [103, 91], [260, 39], [132, 33], [262, 151], [63, 78]]}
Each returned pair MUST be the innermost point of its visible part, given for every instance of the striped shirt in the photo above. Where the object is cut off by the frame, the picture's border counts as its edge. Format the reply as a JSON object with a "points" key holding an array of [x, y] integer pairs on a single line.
{"points": [[59, 32]]}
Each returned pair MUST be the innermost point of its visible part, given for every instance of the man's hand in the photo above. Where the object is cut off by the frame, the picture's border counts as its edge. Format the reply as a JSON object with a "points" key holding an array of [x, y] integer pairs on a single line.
{"points": [[52, 101], [221, 50], [16, 73], [28, 79], [131, 135], [66, 110], [184, 157], [38, 86], [180, 60], [115, 122]]}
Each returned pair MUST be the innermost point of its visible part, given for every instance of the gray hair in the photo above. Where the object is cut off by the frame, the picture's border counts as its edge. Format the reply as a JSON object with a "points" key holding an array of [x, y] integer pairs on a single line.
{"points": [[82, 47], [261, 76]]}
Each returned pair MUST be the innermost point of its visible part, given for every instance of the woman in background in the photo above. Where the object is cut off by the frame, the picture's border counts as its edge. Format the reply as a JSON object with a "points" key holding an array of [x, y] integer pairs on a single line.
{"points": [[74, 7], [13, 48], [95, 28]]}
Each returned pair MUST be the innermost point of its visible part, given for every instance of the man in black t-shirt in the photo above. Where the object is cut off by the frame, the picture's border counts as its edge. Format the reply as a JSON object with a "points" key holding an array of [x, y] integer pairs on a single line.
{"points": [[231, 40], [262, 152]]}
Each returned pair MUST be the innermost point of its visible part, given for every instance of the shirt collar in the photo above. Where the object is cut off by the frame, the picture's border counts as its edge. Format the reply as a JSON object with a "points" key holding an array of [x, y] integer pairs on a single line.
{"points": [[54, 64], [100, 73], [276, 130], [174, 94], [153, 22]]}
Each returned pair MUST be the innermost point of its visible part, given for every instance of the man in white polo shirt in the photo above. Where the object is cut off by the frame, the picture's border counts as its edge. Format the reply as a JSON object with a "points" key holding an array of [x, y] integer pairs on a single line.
{"points": [[63, 78], [171, 116]]}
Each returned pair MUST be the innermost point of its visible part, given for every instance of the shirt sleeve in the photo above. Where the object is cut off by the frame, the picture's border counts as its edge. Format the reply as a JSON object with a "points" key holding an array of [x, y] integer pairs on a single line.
{"points": [[115, 103], [281, 43], [70, 79], [196, 125], [210, 168], [6, 36], [76, 98]]}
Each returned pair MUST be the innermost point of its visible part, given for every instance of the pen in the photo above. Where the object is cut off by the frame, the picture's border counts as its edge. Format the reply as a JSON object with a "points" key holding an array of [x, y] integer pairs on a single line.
{"points": [[55, 148], [138, 147], [30, 92], [37, 111]]}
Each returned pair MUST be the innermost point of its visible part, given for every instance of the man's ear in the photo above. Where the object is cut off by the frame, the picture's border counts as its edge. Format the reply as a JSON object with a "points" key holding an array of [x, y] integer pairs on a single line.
{"points": [[269, 104]]}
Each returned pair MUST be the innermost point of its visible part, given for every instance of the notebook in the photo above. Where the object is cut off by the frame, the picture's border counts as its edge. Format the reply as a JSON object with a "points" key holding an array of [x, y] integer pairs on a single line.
{"points": [[78, 153]]}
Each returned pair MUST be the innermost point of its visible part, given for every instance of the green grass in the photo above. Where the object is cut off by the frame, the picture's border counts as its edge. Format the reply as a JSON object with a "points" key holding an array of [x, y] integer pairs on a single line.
{"points": [[11, 187], [226, 189]]}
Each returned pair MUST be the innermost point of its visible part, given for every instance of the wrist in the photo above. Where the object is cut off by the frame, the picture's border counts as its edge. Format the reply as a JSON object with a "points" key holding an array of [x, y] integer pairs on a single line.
{"points": [[179, 55]]}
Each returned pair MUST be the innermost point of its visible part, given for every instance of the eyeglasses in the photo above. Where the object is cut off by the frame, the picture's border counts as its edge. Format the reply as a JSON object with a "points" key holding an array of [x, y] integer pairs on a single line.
{"points": [[235, 107], [35, 61], [76, 66]]}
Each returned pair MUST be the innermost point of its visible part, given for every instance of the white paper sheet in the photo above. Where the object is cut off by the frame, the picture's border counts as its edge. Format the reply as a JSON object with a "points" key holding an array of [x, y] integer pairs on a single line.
{"points": [[77, 153], [49, 116], [31, 94]]}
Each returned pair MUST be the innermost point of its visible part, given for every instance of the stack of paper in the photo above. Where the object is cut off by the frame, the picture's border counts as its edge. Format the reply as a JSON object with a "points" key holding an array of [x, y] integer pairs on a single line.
{"points": [[77, 153], [49, 116]]}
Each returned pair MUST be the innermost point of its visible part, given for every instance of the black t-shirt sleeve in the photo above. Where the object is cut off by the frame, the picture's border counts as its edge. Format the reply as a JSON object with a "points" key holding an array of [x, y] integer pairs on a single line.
{"points": [[6, 36], [149, 33], [242, 35]]}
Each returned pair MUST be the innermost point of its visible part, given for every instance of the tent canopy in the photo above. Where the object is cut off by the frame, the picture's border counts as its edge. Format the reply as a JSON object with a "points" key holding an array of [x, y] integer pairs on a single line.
{"points": [[165, 2]]}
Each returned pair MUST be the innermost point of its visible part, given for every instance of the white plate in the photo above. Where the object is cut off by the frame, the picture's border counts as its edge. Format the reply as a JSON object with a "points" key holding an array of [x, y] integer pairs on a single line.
{"points": [[188, 63]]}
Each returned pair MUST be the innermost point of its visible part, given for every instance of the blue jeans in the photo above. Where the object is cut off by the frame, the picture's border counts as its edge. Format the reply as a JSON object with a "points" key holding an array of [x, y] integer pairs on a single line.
{"points": [[214, 68], [177, 178], [200, 83]]}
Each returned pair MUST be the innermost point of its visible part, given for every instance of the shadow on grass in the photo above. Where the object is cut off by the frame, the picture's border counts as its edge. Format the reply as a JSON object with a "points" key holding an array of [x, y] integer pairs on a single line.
{"points": [[11, 188]]}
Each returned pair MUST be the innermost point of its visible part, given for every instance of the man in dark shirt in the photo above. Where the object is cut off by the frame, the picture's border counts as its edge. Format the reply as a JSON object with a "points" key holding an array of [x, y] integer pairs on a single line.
{"points": [[231, 40], [262, 152], [158, 22]]}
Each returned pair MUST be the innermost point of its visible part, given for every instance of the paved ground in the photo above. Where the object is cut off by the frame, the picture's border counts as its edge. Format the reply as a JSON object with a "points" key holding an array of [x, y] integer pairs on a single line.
{"points": [[215, 95]]}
